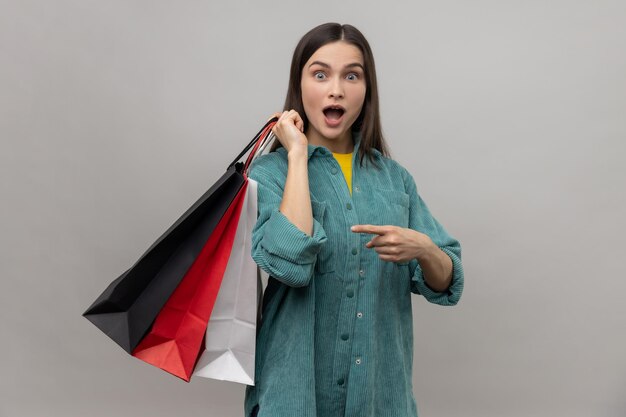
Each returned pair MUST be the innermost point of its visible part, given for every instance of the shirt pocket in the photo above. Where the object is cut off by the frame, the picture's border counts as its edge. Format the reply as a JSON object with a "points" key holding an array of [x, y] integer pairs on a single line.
{"points": [[325, 258], [391, 207]]}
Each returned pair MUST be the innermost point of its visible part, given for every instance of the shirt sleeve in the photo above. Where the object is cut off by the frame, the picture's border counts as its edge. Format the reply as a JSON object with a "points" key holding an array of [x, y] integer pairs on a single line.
{"points": [[278, 246], [421, 219]]}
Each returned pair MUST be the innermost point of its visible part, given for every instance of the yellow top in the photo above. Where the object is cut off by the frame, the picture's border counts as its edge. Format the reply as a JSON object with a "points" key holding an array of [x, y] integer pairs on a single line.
{"points": [[345, 162]]}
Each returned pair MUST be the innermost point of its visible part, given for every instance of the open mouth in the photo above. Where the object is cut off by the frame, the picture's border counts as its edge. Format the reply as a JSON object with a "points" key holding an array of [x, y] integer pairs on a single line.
{"points": [[333, 114]]}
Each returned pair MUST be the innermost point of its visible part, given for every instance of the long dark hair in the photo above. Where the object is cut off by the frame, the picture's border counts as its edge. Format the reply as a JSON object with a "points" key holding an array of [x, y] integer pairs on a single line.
{"points": [[368, 121]]}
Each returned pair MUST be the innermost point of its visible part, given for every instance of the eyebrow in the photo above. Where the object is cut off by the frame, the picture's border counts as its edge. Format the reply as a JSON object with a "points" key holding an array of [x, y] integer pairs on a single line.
{"points": [[323, 64]]}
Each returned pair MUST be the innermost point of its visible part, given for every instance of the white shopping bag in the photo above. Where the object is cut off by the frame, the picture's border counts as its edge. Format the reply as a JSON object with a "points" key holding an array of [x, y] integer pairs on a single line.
{"points": [[231, 332]]}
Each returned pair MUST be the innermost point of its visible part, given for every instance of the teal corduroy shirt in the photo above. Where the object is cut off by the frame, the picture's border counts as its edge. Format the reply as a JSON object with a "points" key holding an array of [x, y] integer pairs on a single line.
{"points": [[336, 338]]}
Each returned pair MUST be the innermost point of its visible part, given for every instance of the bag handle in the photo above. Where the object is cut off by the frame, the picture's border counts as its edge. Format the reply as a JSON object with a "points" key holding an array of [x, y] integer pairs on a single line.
{"points": [[260, 144], [258, 138]]}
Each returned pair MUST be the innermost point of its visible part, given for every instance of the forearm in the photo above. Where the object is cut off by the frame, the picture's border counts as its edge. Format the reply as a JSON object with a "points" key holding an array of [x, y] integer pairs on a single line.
{"points": [[296, 202], [437, 268]]}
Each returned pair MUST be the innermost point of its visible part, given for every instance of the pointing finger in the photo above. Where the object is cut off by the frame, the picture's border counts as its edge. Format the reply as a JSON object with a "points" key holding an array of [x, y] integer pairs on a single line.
{"points": [[368, 228]]}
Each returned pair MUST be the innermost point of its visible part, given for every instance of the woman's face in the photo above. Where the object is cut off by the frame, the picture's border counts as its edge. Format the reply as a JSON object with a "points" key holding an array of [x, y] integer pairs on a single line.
{"points": [[333, 91]]}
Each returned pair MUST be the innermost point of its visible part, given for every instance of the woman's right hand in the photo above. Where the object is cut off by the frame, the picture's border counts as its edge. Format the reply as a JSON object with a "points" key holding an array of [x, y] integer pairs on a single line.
{"points": [[289, 131]]}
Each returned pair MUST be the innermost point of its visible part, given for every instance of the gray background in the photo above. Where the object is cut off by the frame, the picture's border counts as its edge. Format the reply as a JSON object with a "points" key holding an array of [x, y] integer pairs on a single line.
{"points": [[115, 116]]}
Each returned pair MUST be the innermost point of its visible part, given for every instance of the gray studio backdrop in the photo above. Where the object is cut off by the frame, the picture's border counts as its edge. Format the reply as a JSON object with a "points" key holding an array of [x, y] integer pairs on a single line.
{"points": [[115, 116]]}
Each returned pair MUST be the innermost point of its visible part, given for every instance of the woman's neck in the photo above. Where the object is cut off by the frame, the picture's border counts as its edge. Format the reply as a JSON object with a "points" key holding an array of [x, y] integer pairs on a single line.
{"points": [[342, 144]]}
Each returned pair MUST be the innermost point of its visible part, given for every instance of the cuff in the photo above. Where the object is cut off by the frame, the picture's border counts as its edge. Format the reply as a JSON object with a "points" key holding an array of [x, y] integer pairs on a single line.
{"points": [[284, 240], [452, 294]]}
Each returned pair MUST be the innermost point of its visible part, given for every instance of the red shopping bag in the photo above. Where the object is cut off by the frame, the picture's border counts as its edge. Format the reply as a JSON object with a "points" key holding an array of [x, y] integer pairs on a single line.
{"points": [[174, 343]]}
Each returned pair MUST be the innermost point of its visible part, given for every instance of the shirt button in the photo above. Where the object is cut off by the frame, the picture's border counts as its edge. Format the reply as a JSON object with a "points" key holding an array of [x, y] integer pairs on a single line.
{"points": [[340, 381], [354, 251], [361, 272], [350, 293], [359, 314], [358, 361], [344, 336], [357, 189], [333, 171], [349, 206]]}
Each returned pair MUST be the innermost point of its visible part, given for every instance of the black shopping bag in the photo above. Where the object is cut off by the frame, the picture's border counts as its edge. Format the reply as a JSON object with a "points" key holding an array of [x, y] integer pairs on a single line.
{"points": [[126, 310]]}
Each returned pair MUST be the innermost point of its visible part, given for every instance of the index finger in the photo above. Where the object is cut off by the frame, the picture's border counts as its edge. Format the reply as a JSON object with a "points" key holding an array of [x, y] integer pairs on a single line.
{"points": [[369, 228]]}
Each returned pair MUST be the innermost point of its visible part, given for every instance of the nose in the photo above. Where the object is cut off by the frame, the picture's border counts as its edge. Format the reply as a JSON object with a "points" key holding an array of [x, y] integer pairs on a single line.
{"points": [[336, 88]]}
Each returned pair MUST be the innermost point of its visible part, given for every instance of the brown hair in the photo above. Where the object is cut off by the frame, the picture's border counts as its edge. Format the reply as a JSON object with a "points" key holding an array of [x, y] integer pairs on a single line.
{"points": [[368, 121]]}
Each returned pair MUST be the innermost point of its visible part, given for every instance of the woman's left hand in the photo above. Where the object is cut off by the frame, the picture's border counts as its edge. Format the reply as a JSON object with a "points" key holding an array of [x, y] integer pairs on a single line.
{"points": [[396, 244]]}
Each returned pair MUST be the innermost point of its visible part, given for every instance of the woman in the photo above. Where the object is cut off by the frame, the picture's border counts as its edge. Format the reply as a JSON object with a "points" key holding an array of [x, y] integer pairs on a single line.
{"points": [[344, 252]]}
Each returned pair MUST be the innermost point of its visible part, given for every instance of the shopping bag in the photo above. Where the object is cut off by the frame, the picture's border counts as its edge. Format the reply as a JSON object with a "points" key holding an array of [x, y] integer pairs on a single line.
{"points": [[231, 332], [174, 341], [127, 308]]}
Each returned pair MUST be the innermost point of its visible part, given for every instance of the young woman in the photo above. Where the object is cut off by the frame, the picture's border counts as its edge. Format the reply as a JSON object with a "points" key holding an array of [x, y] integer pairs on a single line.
{"points": [[346, 239]]}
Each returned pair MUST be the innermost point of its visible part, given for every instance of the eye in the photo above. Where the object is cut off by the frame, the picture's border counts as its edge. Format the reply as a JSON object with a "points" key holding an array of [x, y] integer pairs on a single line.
{"points": [[319, 75], [353, 76]]}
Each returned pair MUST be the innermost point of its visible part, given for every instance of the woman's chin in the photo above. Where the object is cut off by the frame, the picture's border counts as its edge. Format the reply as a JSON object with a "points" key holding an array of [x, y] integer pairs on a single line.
{"points": [[331, 132]]}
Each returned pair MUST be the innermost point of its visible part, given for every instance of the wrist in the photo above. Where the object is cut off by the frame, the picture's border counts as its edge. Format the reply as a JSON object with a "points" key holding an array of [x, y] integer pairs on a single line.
{"points": [[428, 252], [297, 153]]}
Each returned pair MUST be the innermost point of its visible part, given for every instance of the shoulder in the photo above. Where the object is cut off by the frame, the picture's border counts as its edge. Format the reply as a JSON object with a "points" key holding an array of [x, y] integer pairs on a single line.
{"points": [[397, 171], [392, 165], [272, 165]]}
